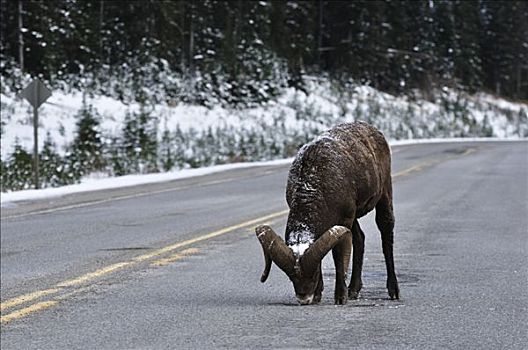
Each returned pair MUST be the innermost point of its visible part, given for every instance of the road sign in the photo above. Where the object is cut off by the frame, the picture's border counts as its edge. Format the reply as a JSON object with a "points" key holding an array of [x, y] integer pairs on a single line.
{"points": [[36, 93]]}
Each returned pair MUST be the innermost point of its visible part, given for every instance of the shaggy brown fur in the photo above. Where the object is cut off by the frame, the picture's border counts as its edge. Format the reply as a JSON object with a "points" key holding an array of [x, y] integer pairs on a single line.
{"points": [[334, 180]]}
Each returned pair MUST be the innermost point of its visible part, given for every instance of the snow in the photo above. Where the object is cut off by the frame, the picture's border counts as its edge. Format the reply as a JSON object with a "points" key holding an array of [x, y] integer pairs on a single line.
{"points": [[58, 117], [299, 249], [292, 118], [300, 240], [499, 102], [300, 114]]}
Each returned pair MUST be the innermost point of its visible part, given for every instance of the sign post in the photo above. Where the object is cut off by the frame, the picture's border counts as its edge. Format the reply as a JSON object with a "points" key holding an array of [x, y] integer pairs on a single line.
{"points": [[36, 93]]}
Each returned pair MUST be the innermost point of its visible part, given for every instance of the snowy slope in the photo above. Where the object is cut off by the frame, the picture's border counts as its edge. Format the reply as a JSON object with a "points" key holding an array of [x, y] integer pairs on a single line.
{"points": [[201, 136], [294, 111]]}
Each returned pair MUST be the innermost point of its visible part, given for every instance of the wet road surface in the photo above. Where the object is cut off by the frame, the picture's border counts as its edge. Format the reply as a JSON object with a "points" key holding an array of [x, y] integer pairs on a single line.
{"points": [[177, 265]]}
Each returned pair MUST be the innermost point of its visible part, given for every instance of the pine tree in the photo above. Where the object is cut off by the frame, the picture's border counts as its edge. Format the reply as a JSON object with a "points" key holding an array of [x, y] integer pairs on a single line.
{"points": [[244, 52], [117, 158], [4, 169], [140, 142], [87, 147], [52, 167], [18, 170], [467, 63], [505, 47], [166, 152]]}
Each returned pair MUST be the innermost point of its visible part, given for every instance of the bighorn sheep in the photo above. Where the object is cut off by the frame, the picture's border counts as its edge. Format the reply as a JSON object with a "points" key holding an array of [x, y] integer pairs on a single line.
{"points": [[333, 181]]}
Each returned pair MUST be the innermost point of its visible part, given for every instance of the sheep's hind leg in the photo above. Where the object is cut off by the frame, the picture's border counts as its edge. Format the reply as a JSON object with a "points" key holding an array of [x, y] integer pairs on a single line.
{"points": [[341, 255], [385, 223], [358, 241]]}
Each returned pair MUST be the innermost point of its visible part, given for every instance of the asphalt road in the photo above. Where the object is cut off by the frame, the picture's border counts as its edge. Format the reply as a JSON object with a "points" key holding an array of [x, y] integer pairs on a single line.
{"points": [[177, 265]]}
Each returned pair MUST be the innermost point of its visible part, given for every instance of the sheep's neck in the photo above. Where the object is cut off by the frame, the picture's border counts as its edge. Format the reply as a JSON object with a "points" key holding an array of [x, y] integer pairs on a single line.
{"points": [[304, 229]]}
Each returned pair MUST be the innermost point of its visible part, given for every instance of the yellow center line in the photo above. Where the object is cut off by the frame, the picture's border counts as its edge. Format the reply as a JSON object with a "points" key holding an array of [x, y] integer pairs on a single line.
{"points": [[422, 165], [468, 151], [93, 275], [417, 167], [172, 247], [27, 310], [27, 297], [175, 257], [118, 266]]}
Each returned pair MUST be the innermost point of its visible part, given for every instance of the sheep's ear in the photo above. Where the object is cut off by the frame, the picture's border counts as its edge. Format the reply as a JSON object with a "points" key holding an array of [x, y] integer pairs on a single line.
{"points": [[311, 259], [274, 250]]}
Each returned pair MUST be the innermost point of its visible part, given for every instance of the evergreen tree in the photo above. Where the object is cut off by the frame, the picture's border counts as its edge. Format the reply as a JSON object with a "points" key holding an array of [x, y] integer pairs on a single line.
{"points": [[244, 52], [140, 142], [4, 168], [116, 157], [87, 147], [17, 173], [505, 47], [467, 62], [52, 167], [166, 152]]}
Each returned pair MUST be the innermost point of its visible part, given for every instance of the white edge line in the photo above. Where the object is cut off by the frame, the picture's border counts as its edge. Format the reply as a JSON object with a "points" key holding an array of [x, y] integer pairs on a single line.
{"points": [[128, 181], [454, 140]]}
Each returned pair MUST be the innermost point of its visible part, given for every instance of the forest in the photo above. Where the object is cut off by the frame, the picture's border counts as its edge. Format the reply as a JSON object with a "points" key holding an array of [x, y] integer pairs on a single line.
{"points": [[152, 86], [243, 51]]}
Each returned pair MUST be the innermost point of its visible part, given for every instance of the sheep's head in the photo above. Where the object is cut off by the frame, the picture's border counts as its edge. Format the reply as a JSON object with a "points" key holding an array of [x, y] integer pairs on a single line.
{"points": [[303, 269]]}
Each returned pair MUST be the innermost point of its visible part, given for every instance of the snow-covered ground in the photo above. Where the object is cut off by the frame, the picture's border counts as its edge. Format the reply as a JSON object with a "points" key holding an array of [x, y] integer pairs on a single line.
{"points": [[273, 130], [295, 112]]}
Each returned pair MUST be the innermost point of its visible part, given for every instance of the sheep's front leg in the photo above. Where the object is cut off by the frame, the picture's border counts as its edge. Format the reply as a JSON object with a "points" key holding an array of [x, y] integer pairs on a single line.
{"points": [[385, 223], [318, 294], [358, 241], [341, 255]]}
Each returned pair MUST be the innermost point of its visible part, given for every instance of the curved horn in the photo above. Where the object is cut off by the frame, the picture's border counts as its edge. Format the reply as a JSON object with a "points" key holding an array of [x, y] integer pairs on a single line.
{"points": [[274, 250], [317, 251]]}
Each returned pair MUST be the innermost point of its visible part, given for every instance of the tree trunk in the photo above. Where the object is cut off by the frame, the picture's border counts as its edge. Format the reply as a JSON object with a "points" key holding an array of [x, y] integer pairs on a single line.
{"points": [[191, 39], [518, 80], [320, 10], [181, 10], [20, 36], [101, 34]]}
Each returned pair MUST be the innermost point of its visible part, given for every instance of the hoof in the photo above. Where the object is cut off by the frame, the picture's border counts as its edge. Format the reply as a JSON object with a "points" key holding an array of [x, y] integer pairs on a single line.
{"points": [[353, 289], [340, 296], [394, 290], [342, 300], [394, 295], [317, 299], [352, 294]]}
